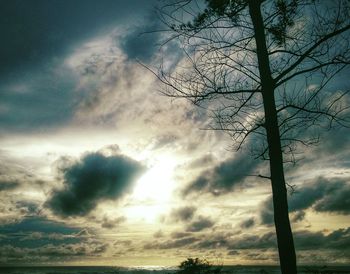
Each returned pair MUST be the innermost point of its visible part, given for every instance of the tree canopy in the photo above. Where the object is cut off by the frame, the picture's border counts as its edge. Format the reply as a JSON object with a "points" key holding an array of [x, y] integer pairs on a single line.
{"points": [[307, 43]]}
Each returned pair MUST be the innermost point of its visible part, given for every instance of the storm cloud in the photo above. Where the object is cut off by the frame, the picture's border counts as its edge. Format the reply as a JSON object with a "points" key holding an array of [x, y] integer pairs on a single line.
{"points": [[68, 251], [223, 177], [112, 223], [92, 179], [37, 43], [8, 185], [321, 194], [338, 239], [34, 32], [304, 240], [140, 42], [200, 224], [324, 195], [182, 214], [247, 223]]}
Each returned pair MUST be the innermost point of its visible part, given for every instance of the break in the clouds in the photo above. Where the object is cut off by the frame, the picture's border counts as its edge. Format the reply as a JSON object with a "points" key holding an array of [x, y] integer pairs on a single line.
{"points": [[92, 179]]}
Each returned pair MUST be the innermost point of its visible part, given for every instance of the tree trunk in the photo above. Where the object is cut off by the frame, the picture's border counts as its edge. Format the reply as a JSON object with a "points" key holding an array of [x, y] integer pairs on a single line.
{"points": [[279, 192]]}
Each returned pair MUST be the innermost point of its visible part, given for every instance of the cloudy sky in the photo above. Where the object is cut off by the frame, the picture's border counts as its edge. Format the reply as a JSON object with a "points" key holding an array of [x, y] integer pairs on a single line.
{"points": [[98, 168]]}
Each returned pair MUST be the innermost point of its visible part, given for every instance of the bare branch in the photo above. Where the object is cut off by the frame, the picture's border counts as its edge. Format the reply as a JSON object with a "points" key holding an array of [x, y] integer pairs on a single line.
{"points": [[310, 50]]}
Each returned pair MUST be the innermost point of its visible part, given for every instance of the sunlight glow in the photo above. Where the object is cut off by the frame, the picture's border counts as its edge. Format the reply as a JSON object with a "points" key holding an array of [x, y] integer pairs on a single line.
{"points": [[156, 184], [153, 191], [149, 213]]}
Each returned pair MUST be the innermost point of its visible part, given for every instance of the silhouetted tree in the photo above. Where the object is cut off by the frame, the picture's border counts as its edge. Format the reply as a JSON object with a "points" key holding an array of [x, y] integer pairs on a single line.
{"points": [[198, 266], [264, 68]]}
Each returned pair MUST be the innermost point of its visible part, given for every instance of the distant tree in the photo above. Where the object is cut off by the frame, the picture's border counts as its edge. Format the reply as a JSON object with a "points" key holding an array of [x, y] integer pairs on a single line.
{"points": [[198, 266], [264, 68]]}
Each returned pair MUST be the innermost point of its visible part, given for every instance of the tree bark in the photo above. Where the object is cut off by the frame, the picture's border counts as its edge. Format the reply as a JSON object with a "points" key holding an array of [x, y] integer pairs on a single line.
{"points": [[279, 192]]}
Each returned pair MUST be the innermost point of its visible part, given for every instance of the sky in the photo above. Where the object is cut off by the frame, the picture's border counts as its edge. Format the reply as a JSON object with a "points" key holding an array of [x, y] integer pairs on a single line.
{"points": [[97, 167]]}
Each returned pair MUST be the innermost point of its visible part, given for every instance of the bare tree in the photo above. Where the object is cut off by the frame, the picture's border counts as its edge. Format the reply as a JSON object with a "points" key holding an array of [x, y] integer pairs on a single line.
{"points": [[265, 68]]}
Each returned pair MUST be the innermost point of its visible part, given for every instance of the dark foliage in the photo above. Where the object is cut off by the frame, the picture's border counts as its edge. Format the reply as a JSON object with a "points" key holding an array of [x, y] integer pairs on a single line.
{"points": [[198, 266]]}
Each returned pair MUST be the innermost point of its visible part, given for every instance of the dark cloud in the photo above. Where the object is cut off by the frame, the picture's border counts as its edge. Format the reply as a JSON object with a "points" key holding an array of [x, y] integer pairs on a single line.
{"points": [[179, 234], [92, 179], [236, 243], [11, 254], [182, 214], [305, 197], [36, 232], [28, 208], [321, 194], [34, 32], [199, 224], [241, 243], [38, 224], [112, 223], [214, 241], [233, 253], [336, 201], [248, 223], [266, 213], [37, 87], [186, 215], [337, 239], [326, 195], [304, 240], [265, 241], [8, 185], [40, 101], [224, 177], [141, 42]]}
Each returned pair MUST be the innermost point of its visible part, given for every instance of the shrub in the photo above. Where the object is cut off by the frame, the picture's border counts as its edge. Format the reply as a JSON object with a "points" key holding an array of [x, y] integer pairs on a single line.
{"points": [[198, 266]]}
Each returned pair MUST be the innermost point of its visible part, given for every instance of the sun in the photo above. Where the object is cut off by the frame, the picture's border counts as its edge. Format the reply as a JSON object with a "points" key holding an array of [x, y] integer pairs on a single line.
{"points": [[153, 191], [157, 183]]}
